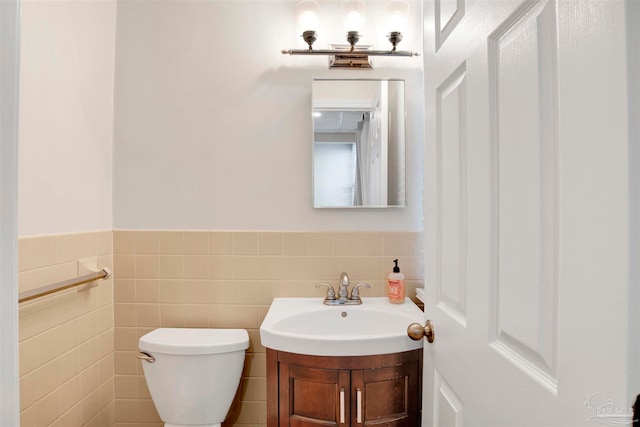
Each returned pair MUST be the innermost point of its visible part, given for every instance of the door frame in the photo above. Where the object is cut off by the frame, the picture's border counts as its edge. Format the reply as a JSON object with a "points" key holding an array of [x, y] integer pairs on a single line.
{"points": [[9, 73], [633, 84]]}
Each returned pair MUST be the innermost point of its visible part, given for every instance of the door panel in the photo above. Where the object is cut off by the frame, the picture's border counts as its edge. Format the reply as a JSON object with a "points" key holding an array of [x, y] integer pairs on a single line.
{"points": [[523, 100], [528, 234], [447, 406], [447, 14], [451, 102]]}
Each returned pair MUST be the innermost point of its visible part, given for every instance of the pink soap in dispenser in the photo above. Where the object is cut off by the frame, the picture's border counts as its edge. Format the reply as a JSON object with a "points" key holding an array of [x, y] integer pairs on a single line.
{"points": [[396, 285]]}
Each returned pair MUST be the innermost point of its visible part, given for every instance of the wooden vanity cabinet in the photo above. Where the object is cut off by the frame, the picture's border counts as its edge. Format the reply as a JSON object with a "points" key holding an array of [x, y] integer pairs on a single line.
{"points": [[306, 391]]}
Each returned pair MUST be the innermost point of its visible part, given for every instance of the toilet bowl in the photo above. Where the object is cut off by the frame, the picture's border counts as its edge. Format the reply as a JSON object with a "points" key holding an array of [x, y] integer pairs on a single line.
{"points": [[193, 374]]}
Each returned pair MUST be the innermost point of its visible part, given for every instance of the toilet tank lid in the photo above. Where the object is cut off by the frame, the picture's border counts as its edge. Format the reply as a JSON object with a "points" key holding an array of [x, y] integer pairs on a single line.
{"points": [[194, 341]]}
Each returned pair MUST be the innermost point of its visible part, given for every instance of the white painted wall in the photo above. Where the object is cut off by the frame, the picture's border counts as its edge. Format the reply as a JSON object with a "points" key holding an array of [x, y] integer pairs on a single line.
{"points": [[212, 127], [66, 116], [213, 123]]}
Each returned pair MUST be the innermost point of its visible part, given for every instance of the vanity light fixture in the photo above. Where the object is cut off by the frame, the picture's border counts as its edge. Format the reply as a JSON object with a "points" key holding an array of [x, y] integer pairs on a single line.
{"points": [[352, 56]]}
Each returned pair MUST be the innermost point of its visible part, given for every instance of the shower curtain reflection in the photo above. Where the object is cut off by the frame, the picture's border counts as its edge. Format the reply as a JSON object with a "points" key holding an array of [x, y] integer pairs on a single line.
{"points": [[362, 165]]}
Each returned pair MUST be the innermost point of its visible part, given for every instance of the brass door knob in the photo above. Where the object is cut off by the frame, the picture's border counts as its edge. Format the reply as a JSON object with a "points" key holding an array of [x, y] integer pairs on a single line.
{"points": [[416, 331]]}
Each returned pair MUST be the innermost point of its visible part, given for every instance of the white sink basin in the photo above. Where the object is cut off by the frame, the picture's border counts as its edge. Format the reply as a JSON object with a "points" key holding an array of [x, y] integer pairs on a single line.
{"points": [[307, 326]]}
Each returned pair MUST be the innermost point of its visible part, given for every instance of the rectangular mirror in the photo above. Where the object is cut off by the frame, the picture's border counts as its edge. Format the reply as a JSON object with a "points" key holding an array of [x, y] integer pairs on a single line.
{"points": [[358, 143]]}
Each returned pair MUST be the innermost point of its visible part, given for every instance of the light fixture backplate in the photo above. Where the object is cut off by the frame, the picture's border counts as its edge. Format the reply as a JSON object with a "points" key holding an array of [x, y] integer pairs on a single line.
{"points": [[355, 60]]}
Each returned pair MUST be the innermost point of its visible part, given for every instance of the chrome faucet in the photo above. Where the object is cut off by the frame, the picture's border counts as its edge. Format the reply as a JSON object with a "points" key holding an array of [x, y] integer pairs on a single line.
{"points": [[343, 292]]}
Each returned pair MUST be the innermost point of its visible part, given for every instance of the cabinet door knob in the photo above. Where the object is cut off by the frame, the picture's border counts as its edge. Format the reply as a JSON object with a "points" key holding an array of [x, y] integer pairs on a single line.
{"points": [[416, 331]]}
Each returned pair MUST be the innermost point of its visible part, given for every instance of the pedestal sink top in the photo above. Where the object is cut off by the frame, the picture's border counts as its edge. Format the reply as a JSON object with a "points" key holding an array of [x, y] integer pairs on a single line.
{"points": [[307, 326]]}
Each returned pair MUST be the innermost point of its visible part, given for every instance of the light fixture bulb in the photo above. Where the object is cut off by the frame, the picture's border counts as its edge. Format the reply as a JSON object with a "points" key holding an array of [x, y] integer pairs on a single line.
{"points": [[353, 12], [397, 12], [307, 11], [353, 21]]}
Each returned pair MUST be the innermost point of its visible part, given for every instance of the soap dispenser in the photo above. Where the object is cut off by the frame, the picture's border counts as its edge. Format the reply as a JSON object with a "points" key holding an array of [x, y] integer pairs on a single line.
{"points": [[396, 285]]}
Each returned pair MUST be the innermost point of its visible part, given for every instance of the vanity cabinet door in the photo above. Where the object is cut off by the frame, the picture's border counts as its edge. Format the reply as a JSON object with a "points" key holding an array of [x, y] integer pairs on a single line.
{"points": [[313, 397], [388, 396], [344, 391]]}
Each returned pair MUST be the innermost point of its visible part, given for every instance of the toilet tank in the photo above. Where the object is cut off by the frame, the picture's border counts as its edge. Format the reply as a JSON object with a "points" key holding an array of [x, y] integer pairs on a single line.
{"points": [[196, 372]]}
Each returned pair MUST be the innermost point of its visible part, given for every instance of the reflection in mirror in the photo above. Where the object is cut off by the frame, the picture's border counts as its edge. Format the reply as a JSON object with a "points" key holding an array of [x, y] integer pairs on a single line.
{"points": [[358, 143]]}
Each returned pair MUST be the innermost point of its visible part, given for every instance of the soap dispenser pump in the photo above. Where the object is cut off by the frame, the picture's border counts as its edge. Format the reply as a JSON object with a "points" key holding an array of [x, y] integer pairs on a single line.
{"points": [[396, 285]]}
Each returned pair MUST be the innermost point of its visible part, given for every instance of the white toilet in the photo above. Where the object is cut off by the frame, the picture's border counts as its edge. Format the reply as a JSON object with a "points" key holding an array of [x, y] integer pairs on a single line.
{"points": [[193, 374]]}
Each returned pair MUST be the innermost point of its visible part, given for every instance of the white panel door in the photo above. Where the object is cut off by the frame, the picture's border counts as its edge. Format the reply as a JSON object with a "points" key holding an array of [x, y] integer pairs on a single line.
{"points": [[531, 212]]}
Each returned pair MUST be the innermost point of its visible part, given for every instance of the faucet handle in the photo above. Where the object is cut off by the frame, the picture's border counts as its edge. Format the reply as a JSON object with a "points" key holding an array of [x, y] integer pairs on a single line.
{"points": [[355, 292], [331, 293]]}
